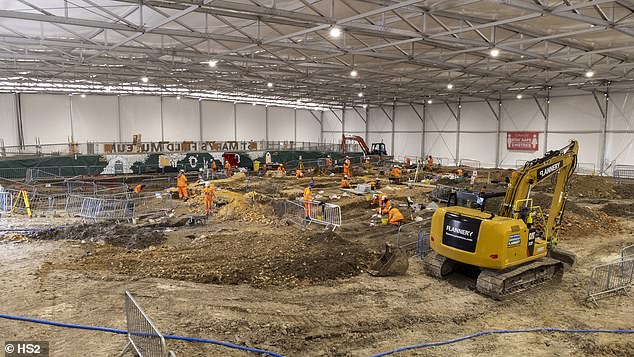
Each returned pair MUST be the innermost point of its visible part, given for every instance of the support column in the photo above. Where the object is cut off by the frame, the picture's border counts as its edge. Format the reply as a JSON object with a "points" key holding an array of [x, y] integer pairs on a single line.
{"points": [[321, 127], [458, 132], [422, 141], [604, 132], [235, 121], [393, 126], [367, 125], [343, 121], [162, 126], [547, 122], [295, 125], [266, 122], [200, 119], [18, 118], [70, 107], [497, 131], [119, 116]]}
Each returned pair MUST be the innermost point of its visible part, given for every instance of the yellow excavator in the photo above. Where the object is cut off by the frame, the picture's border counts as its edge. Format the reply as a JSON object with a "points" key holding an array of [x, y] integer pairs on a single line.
{"points": [[515, 249]]}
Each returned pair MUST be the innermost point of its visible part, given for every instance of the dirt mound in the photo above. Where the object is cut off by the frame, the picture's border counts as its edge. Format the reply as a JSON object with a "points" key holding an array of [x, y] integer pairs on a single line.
{"points": [[625, 191], [119, 235], [592, 187], [239, 258], [619, 210], [579, 220]]}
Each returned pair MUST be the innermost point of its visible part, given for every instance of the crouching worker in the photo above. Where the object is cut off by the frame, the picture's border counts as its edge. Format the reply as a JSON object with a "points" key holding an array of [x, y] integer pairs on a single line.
{"points": [[344, 182], [138, 188], [394, 216], [395, 174], [209, 193]]}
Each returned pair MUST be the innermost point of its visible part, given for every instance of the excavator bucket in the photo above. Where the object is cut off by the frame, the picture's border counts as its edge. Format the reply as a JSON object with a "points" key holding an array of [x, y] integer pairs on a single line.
{"points": [[567, 257], [393, 262]]}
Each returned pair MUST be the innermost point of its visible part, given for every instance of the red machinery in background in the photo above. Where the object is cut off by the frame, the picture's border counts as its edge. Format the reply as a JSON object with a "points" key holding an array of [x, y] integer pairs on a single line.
{"points": [[232, 158], [378, 149]]}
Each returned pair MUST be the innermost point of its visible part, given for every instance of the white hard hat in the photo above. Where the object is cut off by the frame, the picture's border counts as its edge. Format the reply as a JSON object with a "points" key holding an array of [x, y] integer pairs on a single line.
{"points": [[182, 170], [384, 197], [207, 184]]}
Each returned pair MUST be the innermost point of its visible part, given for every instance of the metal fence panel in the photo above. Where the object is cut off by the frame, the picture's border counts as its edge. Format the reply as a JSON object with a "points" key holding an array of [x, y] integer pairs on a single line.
{"points": [[326, 214], [424, 246], [627, 252], [610, 278], [6, 200], [143, 336], [623, 173]]}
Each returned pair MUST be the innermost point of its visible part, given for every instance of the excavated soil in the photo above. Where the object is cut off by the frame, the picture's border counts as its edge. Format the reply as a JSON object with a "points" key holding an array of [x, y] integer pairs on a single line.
{"points": [[251, 278], [619, 210], [119, 235]]}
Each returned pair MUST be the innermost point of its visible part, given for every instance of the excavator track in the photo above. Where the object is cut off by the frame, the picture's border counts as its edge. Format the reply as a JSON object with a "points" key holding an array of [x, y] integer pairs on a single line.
{"points": [[502, 284], [437, 265]]}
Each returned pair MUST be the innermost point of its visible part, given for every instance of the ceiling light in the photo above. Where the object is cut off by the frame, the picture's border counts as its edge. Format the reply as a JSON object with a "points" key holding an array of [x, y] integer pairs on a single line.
{"points": [[365, 106], [144, 79], [519, 96], [449, 86], [253, 104], [353, 73], [495, 52], [178, 97], [589, 73], [83, 95], [335, 32], [360, 94], [429, 101], [270, 84], [213, 63], [108, 89]]}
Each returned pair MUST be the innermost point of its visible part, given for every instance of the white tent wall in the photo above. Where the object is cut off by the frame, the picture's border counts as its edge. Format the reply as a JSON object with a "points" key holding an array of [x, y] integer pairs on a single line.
{"points": [[332, 126], [620, 143], [95, 118], [580, 118], [218, 120], [181, 119], [140, 115], [250, 122], [521, 115], [8, 120], [408, 135], [354, 121], [308, 125], [281, 124], [46, 116], [478, 132], [441, 128], [380, 126]]}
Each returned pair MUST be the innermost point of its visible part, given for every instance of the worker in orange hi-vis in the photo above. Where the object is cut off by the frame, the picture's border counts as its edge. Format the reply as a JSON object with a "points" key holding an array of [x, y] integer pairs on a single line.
{"points": [[209, 192], [181, 185], [328, 162], [299, 174], [395, 216], [430, 163], [214, 167], [228, 168], [366, 162], [346, 167], [308, 198], [395, 174], [138, 188], [385, 205], [344, 182]]}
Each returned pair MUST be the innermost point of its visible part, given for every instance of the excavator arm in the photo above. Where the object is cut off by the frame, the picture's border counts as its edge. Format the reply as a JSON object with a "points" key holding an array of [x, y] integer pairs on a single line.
{"points": [[358, 139], [559, 163]]}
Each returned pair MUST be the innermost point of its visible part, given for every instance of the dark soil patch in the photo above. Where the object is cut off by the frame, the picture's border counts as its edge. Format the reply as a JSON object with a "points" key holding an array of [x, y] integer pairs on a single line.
{"points": [[619, 210], [119, 235]]}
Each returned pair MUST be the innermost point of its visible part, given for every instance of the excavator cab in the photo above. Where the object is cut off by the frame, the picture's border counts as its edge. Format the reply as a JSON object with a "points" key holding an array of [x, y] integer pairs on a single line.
{"points": [[378, 149]]}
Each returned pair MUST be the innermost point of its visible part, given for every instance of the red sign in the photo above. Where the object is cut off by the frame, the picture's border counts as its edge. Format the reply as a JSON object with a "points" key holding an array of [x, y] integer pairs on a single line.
{"points": [[522, 141]]}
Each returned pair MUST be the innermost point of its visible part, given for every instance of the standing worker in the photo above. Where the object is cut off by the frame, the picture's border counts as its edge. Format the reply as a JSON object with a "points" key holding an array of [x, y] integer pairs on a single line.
{"points": [[181, 185], [328, 162], [308, 198], [213, 166], [228, 168], [209, 193], [346, 167], [430, 163]]}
